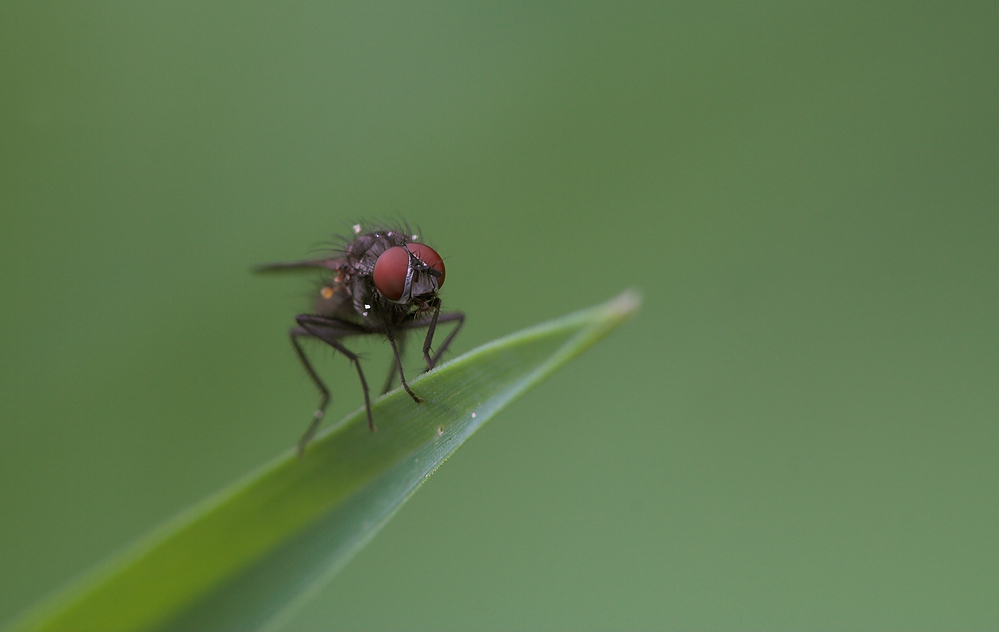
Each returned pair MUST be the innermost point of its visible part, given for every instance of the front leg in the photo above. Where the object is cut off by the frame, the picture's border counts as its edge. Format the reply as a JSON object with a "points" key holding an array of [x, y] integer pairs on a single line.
{"points": [[431, 323], [390, 334], [440, 318]]}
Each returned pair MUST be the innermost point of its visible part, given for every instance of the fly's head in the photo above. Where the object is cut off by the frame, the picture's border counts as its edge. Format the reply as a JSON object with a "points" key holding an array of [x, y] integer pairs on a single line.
{"points": [[391, 276], [409, 275]]}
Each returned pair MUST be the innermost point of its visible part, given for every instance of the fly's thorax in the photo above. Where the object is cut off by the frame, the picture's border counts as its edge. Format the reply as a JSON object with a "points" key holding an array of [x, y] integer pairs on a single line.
{"points": [[365, 249]]}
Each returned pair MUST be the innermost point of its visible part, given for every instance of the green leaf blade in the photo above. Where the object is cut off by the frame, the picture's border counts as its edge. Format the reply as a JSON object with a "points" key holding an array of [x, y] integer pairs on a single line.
{"points": [[246, 557]]}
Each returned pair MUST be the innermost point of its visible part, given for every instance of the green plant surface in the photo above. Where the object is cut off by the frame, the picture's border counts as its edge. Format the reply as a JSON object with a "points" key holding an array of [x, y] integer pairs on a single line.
{"points": [[244, 558]]}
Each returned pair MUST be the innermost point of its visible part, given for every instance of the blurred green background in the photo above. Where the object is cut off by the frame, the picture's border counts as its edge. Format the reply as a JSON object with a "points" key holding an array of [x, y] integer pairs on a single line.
{"points": [[799, 430]]}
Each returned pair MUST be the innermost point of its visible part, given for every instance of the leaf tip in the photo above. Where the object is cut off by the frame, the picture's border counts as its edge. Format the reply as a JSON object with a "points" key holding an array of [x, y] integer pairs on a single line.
{"points": [[625, 304]]}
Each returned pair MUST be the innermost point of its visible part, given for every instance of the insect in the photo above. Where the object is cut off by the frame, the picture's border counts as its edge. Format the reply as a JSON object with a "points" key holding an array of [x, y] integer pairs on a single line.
{"points": [[381, 282]]}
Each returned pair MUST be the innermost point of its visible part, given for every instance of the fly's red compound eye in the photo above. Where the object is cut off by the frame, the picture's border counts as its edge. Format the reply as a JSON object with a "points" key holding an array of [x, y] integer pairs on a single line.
{"points": [[390, 272], [429, 256], [392, 268]]}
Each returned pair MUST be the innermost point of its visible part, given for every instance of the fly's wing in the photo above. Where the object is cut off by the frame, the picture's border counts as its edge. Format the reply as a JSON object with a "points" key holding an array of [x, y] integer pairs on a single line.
{"points": [[332, 263]]}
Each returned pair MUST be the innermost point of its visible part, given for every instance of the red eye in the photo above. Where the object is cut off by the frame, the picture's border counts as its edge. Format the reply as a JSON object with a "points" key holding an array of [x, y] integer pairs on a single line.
{"points": [[429, 256], [393, 266], [390, 272]]}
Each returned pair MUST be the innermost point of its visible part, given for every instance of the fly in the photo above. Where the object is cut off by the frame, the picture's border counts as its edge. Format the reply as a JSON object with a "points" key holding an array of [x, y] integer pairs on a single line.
{"points": [[383, 282]]}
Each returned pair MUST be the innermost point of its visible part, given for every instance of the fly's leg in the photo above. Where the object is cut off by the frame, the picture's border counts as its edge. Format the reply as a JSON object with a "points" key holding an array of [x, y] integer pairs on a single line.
{"points": [[390, 378], [431, 324], [398, 361], [441, 318], [324, 397], [328, 330]]}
